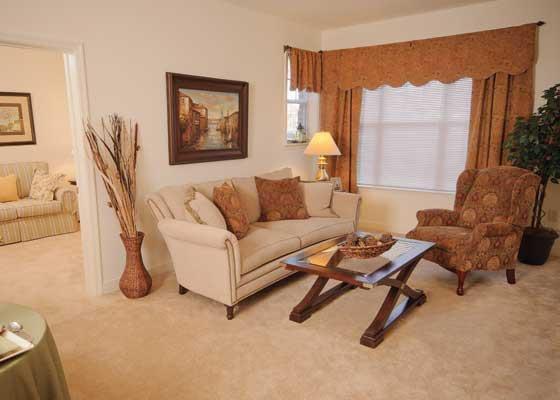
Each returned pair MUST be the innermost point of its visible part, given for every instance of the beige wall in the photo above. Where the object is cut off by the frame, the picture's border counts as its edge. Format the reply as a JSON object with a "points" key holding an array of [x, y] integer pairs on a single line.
{"points": [[40, 73], [130, 44], [395, 210]]}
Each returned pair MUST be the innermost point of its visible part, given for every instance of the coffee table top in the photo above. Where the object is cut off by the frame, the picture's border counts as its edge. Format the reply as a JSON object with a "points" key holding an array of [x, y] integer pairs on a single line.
{"points": [[328, 262]]}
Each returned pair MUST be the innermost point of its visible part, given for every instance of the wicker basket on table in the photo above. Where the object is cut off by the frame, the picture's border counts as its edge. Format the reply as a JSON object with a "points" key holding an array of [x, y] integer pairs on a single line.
{"points": [[366, 246]]}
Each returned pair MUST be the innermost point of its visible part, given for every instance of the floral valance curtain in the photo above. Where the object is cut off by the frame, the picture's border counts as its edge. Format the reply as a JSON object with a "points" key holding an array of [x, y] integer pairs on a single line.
{"points": [[306, 70], [499, 61]]}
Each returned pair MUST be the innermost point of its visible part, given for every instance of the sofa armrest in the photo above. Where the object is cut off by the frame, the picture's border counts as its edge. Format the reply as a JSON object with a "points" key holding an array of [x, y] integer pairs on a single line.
{"points": [[206, 259], [437, 217], [347, 205], [202, 235], [68, 196]]}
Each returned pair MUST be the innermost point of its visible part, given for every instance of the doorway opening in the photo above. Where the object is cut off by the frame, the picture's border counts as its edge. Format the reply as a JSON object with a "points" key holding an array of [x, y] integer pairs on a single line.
{"points": [[58, 106]]}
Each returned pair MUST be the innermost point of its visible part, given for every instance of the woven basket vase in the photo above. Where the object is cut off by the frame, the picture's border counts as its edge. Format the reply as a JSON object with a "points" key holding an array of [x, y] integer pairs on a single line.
{"points": [[366, 251], [135, 281]]}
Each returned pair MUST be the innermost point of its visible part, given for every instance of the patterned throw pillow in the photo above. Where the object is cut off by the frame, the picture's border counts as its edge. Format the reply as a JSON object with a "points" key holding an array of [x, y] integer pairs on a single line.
{"points": [[44, 185], [229, 203], [280, 199]]}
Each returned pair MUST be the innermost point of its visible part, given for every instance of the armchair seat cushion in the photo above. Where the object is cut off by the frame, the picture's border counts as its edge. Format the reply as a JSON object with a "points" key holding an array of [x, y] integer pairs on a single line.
{"points": [[261, 245], [311, 230], [448, 238], [34, 208], [7, 212]]}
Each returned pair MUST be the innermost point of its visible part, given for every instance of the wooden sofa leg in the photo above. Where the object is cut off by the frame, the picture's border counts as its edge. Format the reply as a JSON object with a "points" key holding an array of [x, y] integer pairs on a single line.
{"points": [[229, 312], [182, 290], [510, 274], [461, 275]]}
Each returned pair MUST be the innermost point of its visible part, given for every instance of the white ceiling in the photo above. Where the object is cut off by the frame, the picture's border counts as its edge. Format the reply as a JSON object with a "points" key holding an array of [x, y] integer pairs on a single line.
{"points": [[325, 14]]}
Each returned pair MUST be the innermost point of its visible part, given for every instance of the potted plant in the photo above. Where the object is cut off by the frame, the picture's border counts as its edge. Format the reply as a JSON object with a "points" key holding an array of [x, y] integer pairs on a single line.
{"points": [[114, 152], [534, 144]]}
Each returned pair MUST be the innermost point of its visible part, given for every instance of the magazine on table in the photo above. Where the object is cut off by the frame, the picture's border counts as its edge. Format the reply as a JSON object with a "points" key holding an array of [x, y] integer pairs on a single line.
{"points": [[12, 345]]}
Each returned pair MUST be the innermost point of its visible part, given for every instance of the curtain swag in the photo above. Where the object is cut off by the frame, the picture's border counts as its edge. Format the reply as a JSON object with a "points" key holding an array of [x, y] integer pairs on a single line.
{"points": [[306, 70]]}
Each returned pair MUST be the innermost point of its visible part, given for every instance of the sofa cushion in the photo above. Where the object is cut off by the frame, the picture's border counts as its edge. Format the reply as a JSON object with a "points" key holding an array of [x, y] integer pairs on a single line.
{"points": [[247, 190], [312, 230], [34, 208], [280, 199], [260, 246], [207, 188], [174, 197], [318, 198], [24, 172], [7, 212]]}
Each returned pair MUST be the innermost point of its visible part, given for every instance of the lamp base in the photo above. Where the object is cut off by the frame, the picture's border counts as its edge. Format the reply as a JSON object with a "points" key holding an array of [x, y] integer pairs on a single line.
{"points": [[322, 174]]}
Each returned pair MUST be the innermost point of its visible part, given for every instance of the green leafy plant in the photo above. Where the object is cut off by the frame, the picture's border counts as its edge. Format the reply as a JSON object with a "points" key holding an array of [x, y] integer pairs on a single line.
{"points": [[534, 144]]}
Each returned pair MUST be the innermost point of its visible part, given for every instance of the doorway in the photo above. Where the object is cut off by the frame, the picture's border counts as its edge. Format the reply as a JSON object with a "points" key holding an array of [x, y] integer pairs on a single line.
{"points": [[78, 111]]}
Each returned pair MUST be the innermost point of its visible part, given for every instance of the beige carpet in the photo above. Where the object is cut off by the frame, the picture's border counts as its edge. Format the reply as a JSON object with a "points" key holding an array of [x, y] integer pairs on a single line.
{"points": [[497, 342]]}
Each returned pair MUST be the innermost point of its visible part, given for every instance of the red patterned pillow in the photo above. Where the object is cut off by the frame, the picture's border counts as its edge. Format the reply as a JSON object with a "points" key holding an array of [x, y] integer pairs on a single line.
{"points": [[227, 200], [280, 199]]}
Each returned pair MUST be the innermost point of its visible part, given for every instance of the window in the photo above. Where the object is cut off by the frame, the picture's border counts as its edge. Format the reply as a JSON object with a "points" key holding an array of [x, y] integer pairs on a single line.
{"points": [[296, 112], [414, 136]]}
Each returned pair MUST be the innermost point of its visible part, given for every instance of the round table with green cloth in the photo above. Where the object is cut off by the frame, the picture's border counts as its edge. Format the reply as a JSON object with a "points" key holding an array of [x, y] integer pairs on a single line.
{"points": [[38, 373]]}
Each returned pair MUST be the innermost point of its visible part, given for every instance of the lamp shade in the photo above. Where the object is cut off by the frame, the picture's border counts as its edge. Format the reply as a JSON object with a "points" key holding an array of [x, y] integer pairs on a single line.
{"points": [[322, 144]]}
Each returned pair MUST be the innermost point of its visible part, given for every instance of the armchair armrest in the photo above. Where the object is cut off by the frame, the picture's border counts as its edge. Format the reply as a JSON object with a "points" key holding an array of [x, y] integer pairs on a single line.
{"points": [[202, 235], [346, 205], [492, 229], [67, 194], [437, 217]]}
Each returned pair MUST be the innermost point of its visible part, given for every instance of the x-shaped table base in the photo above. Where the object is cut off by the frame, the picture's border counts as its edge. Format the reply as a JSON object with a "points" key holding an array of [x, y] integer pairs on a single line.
{"points": [[387, 315]]}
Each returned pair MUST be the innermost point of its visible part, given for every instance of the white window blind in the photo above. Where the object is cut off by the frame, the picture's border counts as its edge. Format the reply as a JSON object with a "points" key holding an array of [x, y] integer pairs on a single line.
{"points": [[414, 136]]}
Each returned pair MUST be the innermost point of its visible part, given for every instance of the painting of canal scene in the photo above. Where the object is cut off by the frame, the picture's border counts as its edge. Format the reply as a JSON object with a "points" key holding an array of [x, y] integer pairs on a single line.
{"points": [[207, 119], [16, 119]]}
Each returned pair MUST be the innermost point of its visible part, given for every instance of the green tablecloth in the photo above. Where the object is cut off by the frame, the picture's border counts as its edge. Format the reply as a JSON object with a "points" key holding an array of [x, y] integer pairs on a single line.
{"points": [[38, 373]]}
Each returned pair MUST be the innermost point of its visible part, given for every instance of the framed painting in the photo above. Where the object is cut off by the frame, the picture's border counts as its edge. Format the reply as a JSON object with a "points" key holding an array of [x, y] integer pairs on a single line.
{"points": [[207, 119], [16, 119]]}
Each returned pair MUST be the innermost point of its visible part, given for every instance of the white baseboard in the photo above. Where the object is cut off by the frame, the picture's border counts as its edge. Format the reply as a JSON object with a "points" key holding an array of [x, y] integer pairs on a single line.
{"points": [[112, 285]]}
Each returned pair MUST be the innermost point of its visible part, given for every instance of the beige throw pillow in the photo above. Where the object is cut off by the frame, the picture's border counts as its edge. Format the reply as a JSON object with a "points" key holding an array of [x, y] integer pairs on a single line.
{"points": [[8, 188], [44, 185], [203, 211], [318, 197]]}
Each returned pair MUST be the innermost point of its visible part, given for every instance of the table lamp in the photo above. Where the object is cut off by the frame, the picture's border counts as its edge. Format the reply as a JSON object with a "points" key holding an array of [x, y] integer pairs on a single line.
{"points": [[322, 145]]}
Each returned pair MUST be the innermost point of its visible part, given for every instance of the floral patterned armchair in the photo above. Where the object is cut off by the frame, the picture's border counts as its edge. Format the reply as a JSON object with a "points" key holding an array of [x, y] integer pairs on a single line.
{"points": [[492, 206]]}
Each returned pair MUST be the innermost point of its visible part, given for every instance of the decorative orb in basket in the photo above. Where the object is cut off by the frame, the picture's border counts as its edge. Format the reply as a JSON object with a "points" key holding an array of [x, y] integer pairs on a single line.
{"points": [[366, 246]]}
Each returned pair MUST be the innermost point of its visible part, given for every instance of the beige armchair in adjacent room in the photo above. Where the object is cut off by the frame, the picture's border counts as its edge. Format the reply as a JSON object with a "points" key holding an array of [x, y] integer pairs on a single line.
{"points": [[483, 232]]}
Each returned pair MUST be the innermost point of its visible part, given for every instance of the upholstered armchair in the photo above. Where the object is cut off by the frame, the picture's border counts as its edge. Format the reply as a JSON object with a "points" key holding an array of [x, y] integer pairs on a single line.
{"points": [[484, 230]]}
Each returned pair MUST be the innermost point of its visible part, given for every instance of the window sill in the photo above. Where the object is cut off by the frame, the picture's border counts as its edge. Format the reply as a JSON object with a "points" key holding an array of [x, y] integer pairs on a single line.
{"points": [[401, 189], [301, 144]]}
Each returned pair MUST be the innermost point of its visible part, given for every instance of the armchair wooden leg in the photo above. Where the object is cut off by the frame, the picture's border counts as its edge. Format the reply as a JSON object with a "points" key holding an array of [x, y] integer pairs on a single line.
{"points": [[510, 274], [461, 275], [182, 290], [229, 312]]}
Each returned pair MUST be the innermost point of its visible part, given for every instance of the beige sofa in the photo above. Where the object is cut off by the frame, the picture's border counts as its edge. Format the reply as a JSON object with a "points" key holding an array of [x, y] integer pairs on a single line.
{"points": [[28, 219], [214, 263]]}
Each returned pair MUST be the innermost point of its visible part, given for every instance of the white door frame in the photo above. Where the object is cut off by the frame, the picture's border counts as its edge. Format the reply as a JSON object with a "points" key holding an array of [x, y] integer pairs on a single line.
{"points": [[76, 86]]}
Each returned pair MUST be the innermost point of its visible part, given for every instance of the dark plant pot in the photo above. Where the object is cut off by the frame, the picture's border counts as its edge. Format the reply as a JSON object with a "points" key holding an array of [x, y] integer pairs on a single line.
{"points": [[135, 281], [536, 245]]}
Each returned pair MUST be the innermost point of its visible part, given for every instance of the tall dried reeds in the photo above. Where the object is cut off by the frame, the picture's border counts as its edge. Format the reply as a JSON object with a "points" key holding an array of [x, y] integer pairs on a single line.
{"points": [[114, 152]]}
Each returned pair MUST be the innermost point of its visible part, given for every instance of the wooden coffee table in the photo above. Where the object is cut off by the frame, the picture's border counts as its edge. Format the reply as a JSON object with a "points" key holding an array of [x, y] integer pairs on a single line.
{"points": [[328, 263]]}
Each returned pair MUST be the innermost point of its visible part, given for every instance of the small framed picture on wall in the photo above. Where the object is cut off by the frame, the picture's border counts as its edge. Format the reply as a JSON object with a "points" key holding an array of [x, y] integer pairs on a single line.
{"points": [[16, 119], [337, 184]]}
